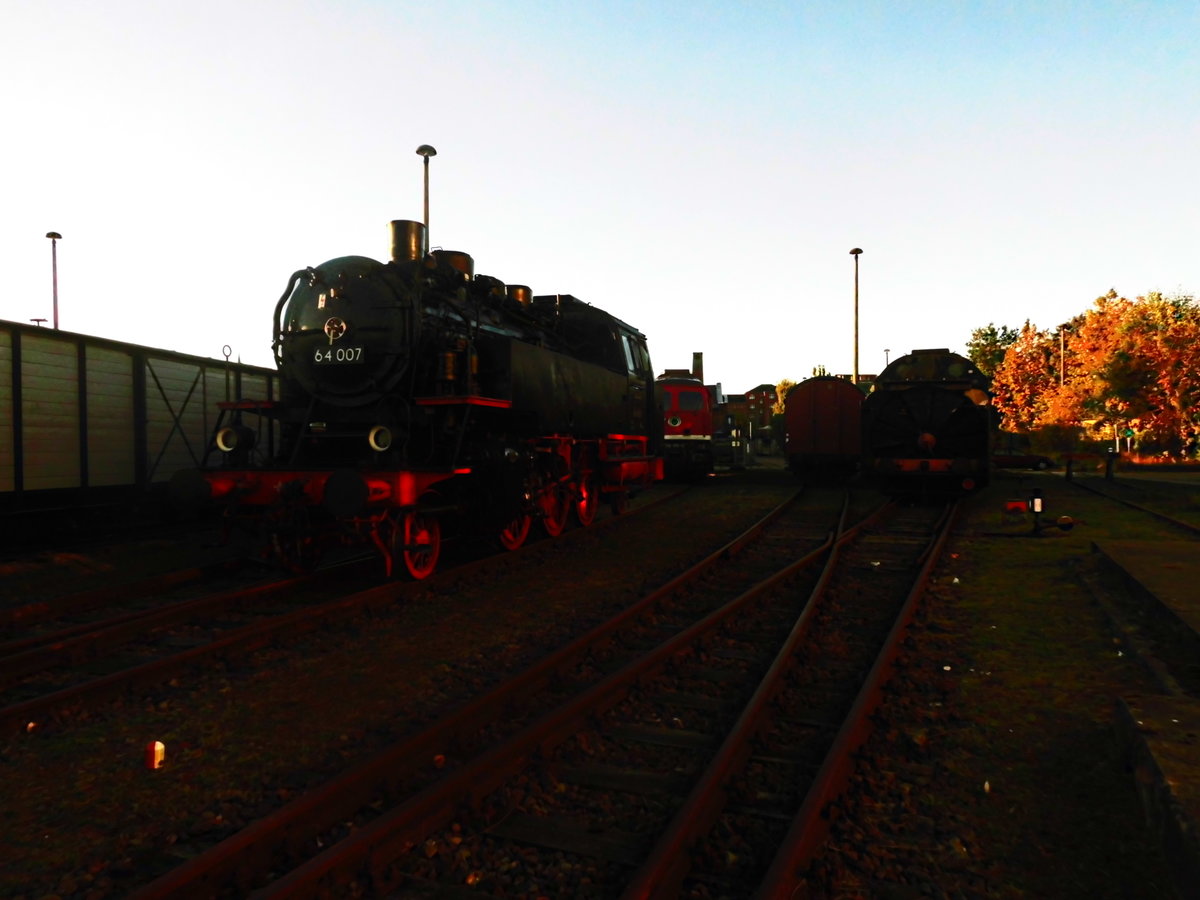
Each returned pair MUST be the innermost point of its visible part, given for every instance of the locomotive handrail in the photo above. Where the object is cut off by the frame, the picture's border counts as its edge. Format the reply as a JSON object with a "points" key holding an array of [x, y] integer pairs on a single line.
{"points": [[275, 342]]}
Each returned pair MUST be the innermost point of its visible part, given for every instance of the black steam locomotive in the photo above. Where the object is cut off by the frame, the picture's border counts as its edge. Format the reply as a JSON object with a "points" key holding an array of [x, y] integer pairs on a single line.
{"points": [[415, 393], [928, 425]]}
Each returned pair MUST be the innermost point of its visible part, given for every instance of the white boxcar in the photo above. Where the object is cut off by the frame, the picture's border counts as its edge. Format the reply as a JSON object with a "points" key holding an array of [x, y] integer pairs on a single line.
{"points": [[86, 420]]}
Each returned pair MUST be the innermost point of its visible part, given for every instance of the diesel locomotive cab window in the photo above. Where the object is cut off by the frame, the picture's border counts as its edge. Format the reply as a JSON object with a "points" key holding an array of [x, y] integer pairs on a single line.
{"points": [[690, 400]]}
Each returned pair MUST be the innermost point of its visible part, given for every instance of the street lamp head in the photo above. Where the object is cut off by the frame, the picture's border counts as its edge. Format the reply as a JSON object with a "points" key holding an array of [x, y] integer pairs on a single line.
{"points": [[54, 235], [856, 251], [426, 151]]}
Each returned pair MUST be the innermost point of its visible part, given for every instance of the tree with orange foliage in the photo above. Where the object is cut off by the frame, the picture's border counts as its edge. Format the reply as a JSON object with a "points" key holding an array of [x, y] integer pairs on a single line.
{"points": [[1022, 380], [1122, 364], [1157, 370]]}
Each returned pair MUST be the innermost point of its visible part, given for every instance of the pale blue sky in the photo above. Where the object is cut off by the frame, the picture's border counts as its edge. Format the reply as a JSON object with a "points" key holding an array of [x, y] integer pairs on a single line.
{"points": [[699, 169]]}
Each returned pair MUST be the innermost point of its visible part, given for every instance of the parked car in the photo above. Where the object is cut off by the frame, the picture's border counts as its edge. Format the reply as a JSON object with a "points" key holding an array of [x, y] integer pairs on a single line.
{"points": [[1022, 461]]}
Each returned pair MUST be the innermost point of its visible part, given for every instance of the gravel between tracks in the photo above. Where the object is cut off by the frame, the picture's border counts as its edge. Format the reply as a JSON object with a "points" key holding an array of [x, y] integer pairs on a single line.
{"points": [[992, 772]]}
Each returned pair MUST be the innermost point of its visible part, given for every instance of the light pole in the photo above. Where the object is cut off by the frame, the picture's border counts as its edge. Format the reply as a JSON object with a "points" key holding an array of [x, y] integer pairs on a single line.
{"points": [[426, 151], [886, 357], [855, 253], [55, 237]]}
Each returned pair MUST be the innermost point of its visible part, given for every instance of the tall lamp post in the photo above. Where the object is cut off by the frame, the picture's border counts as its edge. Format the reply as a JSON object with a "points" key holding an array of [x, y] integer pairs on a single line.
{"points": [[426, 151], [55, 237], [855, 253]]}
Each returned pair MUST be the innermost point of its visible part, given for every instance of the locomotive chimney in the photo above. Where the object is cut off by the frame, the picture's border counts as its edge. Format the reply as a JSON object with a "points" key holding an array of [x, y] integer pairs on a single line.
{"points": [[698, 366], [408, 240]]}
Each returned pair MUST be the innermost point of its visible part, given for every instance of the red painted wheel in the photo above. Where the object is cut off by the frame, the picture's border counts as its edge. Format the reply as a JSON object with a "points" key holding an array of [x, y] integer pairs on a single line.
{"points": [[555, 503], [514, 533], [587, 502], [420, 543]]}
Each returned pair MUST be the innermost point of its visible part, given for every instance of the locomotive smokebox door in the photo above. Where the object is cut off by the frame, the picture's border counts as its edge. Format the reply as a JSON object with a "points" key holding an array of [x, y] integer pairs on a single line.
{"points": [[348, 328]]}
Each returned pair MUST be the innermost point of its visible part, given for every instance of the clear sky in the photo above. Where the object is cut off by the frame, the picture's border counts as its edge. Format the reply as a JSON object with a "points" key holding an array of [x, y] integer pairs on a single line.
{"points": [[699, 169]]}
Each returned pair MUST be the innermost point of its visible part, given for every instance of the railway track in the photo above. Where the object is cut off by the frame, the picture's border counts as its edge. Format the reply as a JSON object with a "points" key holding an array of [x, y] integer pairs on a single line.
{"points": [[648, 740], [69, 654], [1093, 486], [50, 675]]}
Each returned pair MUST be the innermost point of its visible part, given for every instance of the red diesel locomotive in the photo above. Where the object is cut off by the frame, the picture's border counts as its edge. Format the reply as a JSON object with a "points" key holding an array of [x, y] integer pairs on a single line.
{"points": [[417, 399], [687, 427]]}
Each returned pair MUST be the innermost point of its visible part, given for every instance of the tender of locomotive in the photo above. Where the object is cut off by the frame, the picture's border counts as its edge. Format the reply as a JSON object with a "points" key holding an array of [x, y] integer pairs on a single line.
{"points": [[687, 427], [823, 428], [415, 394], [928, 425]]}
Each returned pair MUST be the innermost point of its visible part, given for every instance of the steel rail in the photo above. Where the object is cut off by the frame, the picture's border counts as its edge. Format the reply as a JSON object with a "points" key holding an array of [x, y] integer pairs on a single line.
{"points": [[42, 610], [86, 641], [1162, 517], [237, 856], [810, 827], [28, 715], [372, 849], [662, 874]]}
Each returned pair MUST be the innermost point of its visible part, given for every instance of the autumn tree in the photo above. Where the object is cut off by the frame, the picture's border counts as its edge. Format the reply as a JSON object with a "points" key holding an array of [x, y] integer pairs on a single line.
{"points": [[1154, 370], [781, 392], [987, 346], [1023, 379], [1122, 364]]}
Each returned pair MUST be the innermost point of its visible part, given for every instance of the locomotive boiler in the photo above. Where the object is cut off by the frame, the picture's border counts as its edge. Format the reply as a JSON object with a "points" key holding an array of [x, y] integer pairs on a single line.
{"points": [[418, 398], [928, 425]]}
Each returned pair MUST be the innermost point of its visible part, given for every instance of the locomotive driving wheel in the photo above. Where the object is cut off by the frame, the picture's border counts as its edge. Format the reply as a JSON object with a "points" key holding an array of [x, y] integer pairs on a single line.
{"points": [[554, 502], [417, 539], [514, 533], [587, 500]]}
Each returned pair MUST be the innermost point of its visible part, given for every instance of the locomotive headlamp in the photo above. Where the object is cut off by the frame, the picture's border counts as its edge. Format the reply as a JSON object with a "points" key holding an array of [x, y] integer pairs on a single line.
{"points": [[380, 438], [1035, 501], [235, 437]]}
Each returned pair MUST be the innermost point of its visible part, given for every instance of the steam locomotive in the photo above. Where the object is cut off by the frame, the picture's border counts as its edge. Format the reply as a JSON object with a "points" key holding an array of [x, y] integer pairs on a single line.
{"points": [[415, 394], [928, 425]]}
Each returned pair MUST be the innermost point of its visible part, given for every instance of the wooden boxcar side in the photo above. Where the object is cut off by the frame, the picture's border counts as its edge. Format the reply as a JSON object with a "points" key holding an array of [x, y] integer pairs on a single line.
{"points": [[86, 419]]}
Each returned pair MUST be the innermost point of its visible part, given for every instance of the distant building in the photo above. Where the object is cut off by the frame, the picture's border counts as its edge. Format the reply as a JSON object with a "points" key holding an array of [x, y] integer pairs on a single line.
{"points": [[760, 405], [864, 381]]}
